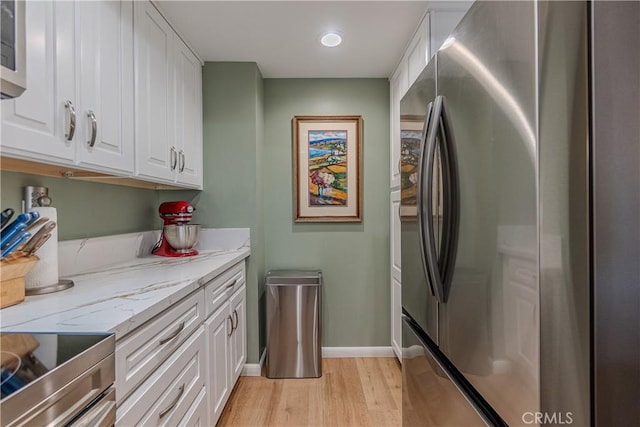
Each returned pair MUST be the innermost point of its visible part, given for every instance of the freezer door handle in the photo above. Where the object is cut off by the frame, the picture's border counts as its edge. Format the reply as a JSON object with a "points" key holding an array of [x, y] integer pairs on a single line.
{"points": [[440, 265], [420, 198]]}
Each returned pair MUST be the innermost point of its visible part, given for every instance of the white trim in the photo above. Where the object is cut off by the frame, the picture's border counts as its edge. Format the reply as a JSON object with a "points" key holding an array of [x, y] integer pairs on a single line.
{"points": [[254, 369], [332, 352]]}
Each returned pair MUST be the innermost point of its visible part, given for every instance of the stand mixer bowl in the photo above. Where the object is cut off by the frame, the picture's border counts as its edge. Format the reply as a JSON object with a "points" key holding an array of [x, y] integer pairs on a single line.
{"points": [[182, 237]]}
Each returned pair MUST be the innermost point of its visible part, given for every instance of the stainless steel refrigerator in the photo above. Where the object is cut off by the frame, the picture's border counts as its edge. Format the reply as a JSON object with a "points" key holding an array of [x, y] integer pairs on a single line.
{"points": [[520, 216]]}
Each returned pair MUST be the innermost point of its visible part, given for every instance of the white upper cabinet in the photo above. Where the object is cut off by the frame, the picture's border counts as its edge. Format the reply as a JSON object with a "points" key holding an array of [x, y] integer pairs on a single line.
{"points": [[78, 106], [418, 54], [105, 48], [111, 88], [398, 86], [156, 154], [168, 108], [37, 124], [188, 93]]}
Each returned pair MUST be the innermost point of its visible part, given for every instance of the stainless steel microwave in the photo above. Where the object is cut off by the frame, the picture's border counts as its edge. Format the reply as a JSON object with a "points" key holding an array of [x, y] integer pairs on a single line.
{"points": [[13, 71]]}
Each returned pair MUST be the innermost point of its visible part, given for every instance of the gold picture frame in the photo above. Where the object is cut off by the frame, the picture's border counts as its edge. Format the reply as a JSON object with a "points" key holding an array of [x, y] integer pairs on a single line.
{"points": [[327, 168]]}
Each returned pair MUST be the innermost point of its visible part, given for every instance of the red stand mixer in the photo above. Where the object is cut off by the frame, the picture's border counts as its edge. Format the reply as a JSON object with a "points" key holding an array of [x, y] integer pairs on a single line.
{"points": [[178, 236]]}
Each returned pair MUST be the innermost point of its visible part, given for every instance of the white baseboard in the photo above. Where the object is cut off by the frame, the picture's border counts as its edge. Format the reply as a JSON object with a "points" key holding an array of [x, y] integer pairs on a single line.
{"points": [[334, 352], [255, 369]]}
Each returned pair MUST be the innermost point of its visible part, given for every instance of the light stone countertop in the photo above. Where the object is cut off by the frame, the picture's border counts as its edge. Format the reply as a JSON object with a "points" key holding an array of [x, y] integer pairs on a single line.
{"points": [[121, 297]]}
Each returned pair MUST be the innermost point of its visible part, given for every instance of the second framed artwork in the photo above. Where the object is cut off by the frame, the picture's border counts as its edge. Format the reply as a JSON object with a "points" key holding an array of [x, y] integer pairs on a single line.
{"points": [[327, 168]]}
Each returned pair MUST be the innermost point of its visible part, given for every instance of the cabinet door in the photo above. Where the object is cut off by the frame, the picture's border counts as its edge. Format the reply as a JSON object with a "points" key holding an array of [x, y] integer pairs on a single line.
{"points": [[417, 52], [218, 328], [34, 125], [239, 335], [188, 116], [156, 155], [395, 96], [105, 65], [396, 276]]}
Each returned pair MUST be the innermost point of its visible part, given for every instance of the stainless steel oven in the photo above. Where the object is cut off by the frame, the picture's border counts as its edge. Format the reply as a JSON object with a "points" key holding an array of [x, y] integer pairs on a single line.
{"points": [[13, 49], [57, 380]]}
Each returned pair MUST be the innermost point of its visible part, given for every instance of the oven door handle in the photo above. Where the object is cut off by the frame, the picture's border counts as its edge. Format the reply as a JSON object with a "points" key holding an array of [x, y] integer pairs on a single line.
{"points": [[103, 414]]}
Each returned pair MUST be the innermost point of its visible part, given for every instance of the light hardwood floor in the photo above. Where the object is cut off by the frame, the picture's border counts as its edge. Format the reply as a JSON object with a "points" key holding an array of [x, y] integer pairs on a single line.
{"points": [[351, 392]]}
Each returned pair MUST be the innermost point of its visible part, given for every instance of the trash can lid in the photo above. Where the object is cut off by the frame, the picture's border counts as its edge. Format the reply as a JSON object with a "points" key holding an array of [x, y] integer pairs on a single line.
{"points": [[294, 278]]}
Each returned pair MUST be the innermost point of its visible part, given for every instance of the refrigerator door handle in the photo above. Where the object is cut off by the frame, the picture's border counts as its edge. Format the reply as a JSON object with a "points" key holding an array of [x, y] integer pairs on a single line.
{"points": [[451, 198], [420, 198], [440, 268], [429, 239]]}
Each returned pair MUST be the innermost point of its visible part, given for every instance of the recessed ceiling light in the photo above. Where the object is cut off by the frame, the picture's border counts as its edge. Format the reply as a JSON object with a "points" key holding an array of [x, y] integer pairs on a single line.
{"points": [[331, 39]]}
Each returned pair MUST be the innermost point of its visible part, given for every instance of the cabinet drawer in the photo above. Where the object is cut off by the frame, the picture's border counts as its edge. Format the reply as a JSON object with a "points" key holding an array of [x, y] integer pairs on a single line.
{"points": [[142, 351], [222, 287], [172, 390], [197, 414]]}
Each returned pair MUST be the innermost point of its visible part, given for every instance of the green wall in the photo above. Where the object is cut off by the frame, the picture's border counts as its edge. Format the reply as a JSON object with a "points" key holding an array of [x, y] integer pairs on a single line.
{"points": [[354, 258], [87, 209], [247, 183], [233, 129]]}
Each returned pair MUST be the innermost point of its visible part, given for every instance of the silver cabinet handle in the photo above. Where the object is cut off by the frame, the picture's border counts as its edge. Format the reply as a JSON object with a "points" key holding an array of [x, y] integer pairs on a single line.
{"points": [[173, 334], [94, 128], [182, 161], [231, 331], [235, 316], [232, 284], [173, 404], [174, 158], [72, 120]]}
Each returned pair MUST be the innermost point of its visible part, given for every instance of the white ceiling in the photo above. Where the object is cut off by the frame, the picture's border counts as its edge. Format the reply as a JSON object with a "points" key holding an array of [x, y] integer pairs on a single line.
{"points": [[282, 37]]}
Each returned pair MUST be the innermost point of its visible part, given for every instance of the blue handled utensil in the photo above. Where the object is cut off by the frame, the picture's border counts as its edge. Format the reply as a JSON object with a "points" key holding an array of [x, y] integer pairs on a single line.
{"points": [[9, 233], [19, 224], [15, 243]]}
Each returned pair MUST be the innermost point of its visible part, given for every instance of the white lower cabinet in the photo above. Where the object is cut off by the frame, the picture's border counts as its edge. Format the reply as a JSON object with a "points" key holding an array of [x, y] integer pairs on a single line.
{"points": [[239, 335], [179, 368], [142, 351], [197, 414], [219, 362], [166, 396], [226, 345]]}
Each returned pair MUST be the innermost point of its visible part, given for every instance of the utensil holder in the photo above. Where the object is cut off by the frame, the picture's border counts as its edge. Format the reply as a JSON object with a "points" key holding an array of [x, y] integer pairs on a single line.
{"points": [[12, 274]]}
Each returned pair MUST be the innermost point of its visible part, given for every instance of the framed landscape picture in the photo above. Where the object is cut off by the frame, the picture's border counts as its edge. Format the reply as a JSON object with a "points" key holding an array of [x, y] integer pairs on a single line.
{"points": [[327, 168], [411, 133]]}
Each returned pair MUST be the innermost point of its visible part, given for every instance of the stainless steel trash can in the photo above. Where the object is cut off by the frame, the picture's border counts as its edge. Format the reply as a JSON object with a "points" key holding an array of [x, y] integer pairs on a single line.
{"points": [[294, 348]]}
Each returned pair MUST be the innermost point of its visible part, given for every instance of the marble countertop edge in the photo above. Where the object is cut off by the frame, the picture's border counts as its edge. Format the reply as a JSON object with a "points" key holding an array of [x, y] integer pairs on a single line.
{"points": [[121, 297]]}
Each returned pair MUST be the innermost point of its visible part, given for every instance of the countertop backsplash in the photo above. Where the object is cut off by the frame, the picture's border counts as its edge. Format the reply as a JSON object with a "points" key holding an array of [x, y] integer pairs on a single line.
{"points": [[86, 255]]}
